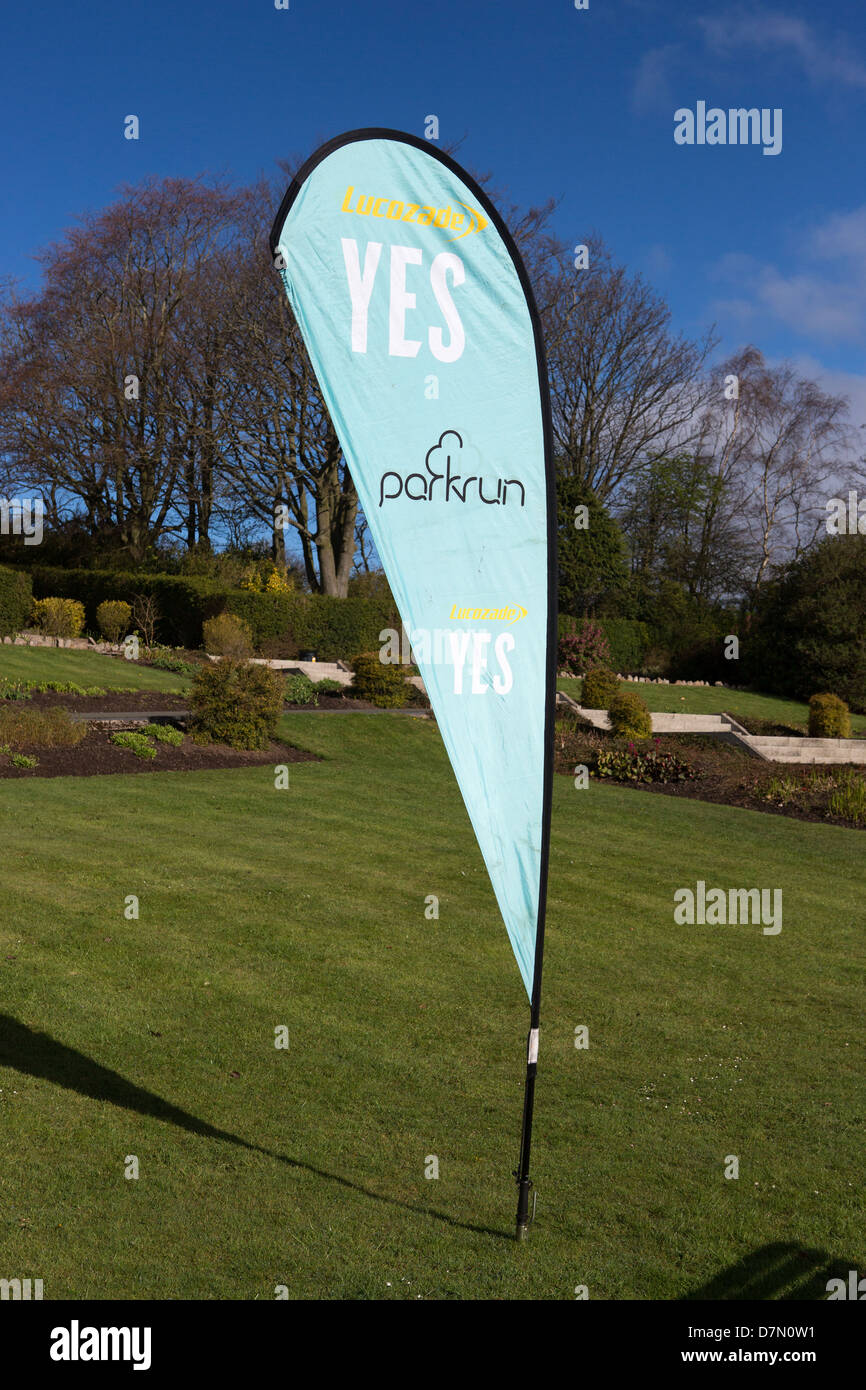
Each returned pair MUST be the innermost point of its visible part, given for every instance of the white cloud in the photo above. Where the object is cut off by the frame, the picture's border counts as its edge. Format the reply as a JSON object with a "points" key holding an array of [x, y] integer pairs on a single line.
{"points": [[652, 90], [658, 260], [771, 31], [843, 235], [748, 32], [850, 384], [823, 299]]}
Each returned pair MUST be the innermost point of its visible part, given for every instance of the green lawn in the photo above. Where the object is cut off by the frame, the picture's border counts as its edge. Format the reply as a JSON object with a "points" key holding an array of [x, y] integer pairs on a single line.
{"points": [[709, 699], [305, 907], [40, 664]]}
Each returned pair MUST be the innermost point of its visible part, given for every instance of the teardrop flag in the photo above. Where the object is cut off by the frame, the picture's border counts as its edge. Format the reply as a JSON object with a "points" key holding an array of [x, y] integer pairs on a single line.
{"points": [[419, 319]]}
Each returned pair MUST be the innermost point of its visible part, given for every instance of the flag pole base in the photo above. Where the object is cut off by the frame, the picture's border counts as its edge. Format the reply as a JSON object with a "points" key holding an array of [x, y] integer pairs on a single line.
{"points": [[524, 1220]]}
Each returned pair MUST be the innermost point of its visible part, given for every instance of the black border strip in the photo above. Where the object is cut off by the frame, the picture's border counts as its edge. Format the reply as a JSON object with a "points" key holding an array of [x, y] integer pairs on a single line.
{"points": [[352, 137]]}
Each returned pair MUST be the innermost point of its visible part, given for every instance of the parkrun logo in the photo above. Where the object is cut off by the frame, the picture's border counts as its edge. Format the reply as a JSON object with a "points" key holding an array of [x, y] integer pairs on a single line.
{"points": [[423, 216], [419, 488]]}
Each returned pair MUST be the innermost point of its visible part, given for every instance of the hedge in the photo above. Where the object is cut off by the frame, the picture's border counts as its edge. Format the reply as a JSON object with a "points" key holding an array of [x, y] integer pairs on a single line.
{"points": [[335, 628], [629, 640], [183, 603], [15, 599]]}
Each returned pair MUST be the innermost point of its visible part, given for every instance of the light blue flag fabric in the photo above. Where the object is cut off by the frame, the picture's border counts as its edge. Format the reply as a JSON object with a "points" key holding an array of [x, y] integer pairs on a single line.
{"points": [[420, 325]]}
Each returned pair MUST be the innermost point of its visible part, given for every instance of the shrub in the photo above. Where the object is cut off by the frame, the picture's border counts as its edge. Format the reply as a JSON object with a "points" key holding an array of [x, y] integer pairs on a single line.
{"points": [[628, 641], [227, 635], [643, 765], [164, 659], [580, 650], [828, 717], [59, 617], [782, 791], [136, 743], [380, 682], [13, 690], [417, 697], [629, 716], [329, 687], [598, 688], [278, 583], [300, 690], [49, 728], [849, 798], [17, 690], [23, 760], [164, 733], [809, 630], [16, 599], [113, 618], [70, 688], [591, 560], [236, 703]]}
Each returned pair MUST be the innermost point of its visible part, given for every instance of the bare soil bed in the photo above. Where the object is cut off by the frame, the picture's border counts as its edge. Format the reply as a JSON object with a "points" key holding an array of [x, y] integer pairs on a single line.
{"points": [[330, 702], [97, 756], [153, 700], [725, 774], [139, 700]]}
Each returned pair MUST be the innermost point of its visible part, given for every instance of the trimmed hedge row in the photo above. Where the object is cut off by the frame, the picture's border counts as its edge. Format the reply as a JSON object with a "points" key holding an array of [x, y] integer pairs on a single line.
{"points": [[629, 640], [16, 597], [183, 603], [335, 628]]}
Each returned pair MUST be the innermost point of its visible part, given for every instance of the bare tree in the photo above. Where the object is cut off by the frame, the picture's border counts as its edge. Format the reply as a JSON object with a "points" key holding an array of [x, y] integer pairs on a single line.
{"points": [[283, 459], [622, 387], [108, 379], [773, 447]]}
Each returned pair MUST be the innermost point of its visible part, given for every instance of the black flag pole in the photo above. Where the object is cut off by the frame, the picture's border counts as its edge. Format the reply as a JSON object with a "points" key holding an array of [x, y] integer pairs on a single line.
{"points": [[524, 1182]]}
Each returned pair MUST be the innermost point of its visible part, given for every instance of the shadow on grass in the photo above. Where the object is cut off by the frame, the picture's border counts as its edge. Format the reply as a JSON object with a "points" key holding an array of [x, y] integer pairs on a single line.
{"points": [[38, 1054], [779, 1272]]}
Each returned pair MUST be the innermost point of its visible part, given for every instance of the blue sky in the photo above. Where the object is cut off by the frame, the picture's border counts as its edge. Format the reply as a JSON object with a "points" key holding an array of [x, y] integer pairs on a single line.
{"points": [[550, 100]]}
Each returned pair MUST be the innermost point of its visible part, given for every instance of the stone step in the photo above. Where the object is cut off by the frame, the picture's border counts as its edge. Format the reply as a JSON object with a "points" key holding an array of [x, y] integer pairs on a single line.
{"points": [[316, 670], [809, 750], [781, 749], [690, 723], [663, 723]]}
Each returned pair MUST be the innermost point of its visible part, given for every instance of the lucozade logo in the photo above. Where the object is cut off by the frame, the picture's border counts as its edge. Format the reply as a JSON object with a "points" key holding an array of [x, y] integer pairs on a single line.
{"points": [[510, 614], [424, 215]]}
